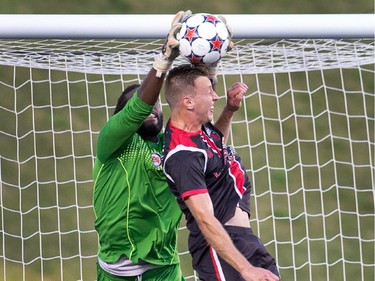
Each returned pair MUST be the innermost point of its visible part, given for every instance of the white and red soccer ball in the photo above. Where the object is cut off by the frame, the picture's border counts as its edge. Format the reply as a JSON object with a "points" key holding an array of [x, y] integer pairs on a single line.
{"points": [[203, 38]]}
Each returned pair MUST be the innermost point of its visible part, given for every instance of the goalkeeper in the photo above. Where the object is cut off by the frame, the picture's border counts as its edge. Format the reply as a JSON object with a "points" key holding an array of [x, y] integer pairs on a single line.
{"points": [[136, 215]]}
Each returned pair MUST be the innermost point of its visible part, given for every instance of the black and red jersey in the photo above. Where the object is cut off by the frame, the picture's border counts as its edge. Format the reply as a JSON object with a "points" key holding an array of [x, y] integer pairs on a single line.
{"points": [[198, 162]]}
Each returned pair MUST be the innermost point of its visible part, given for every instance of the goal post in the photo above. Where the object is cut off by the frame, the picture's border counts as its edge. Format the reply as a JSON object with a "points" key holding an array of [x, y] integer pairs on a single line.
{"points": [[305, 132], [139, 27]]}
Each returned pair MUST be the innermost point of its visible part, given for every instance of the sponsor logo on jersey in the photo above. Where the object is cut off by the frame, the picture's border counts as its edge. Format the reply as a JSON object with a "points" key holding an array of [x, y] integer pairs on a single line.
{"points": [[156, 159], [212, 134]]}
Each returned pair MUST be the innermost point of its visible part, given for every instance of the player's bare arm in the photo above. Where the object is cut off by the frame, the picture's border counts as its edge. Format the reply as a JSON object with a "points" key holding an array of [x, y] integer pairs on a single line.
{"points": [[152, 84], [201, 208], [234, 101]]}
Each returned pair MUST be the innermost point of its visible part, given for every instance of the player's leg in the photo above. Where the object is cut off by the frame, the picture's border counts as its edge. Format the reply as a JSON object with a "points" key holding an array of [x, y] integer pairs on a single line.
{"points": [[210, 267], [252, 248]]}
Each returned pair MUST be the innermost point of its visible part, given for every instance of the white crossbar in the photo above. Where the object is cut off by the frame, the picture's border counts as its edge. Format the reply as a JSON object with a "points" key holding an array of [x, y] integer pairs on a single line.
{"points": [[144, 26]]}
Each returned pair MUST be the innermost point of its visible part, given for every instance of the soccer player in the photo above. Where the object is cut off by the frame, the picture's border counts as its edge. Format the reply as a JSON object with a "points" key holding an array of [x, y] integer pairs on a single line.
{"points": [[209, 181], [136, 215]]}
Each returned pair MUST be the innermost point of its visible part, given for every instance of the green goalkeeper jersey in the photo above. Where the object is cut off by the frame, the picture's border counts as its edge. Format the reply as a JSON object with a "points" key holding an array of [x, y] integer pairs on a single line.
{"points": [[136, 213]]}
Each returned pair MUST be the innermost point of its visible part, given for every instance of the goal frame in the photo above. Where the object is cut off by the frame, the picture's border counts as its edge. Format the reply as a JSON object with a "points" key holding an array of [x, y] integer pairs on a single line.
{"points": [[138, 26]]}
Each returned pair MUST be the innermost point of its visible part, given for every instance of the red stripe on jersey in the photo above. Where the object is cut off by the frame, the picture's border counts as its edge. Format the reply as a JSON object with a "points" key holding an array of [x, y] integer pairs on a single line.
{"points": [[211, 144], [217, 266], [193, 192], [238, 175], [181, 137]]}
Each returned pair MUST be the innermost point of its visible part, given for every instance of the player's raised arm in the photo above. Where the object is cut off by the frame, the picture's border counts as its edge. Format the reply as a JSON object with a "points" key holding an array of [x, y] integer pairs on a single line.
{"points": [[234, 100], [152, 84]]}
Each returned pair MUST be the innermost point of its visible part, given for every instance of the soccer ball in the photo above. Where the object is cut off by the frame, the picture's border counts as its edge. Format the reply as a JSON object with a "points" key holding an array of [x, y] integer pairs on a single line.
{"points": [[203, 39]]}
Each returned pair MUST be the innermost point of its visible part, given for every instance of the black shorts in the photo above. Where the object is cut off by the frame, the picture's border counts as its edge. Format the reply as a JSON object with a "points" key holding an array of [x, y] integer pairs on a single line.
{"points": [[213, 268]]}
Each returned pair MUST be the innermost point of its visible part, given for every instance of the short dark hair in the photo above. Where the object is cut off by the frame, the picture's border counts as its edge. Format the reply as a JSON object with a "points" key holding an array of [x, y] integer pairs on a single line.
{"points": [[187, 73], [180, 78], [125, 96]]}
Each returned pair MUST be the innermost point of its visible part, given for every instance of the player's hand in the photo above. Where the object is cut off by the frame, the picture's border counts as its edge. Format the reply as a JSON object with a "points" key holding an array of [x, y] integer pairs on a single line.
{"points": [[230, 32], [259, 274], [212, 70], [170, 50], [235, 96]]}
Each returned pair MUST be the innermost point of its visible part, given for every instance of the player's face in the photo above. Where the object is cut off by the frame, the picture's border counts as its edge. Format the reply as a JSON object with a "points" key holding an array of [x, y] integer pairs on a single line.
{"points": [[153, 124], [204, 99]]}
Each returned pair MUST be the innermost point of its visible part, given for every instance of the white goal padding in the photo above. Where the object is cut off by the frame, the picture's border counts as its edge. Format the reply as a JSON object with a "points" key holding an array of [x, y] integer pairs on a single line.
{"points": [[155, 26]]}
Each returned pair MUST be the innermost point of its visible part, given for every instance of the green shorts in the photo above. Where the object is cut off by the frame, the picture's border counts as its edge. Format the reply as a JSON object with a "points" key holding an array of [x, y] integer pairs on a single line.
{"points": [[163, 273]]}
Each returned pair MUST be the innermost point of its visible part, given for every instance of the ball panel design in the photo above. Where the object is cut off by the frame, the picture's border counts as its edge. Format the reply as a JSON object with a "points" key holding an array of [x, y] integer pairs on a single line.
{"points": [[203, 39], [200, 47], [222, 30], [206, 30], [211, 57], [195, 20], [185, 47]]}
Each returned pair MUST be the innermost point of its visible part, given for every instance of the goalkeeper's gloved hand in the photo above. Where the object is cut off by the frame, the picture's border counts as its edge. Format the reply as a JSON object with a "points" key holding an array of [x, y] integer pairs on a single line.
{"points": [[170, 50], [230, 32], [212, 69]]}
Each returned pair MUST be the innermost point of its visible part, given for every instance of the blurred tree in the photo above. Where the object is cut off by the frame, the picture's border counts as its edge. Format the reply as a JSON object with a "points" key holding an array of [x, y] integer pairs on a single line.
{"points": [[170, 7]]}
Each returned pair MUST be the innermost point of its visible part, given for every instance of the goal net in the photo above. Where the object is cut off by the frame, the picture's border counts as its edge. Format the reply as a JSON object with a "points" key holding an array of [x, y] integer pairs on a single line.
{"points": [[305, 132]]}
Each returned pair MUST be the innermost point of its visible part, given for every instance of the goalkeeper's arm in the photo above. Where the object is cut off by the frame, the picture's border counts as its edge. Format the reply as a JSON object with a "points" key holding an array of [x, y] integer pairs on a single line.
{"points": [[151, 86]]}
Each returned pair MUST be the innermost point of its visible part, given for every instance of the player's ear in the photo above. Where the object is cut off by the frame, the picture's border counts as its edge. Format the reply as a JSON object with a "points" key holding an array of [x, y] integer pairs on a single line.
{"points": [[188, 103]]}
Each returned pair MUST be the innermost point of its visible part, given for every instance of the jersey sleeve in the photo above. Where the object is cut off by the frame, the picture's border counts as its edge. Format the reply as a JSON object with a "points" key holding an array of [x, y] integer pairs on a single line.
{"points": [[185, 169], [244, 202], [121, 127]]}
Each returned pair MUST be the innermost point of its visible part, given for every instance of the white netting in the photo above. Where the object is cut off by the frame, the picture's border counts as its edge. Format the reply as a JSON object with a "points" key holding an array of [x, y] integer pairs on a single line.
{"points": [[305, 133], [136, 56]]}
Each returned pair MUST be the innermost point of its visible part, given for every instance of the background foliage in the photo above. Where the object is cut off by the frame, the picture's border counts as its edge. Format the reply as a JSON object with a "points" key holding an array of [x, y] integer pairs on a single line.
{"points": [[170, 7]]}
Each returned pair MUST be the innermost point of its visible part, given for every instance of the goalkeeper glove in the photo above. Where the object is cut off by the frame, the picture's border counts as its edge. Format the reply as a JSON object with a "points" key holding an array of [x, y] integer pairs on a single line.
{"points": [[230, 33], [212, 69], [170, 50]]}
